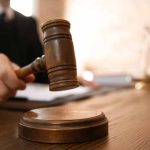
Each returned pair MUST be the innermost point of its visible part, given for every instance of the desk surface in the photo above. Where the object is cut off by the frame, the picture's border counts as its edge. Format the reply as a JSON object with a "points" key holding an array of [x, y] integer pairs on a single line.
{"points": [[128, 112]]}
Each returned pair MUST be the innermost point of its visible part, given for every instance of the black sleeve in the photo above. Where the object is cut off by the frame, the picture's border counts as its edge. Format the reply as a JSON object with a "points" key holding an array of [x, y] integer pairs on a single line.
{"points": [[36, 49]]}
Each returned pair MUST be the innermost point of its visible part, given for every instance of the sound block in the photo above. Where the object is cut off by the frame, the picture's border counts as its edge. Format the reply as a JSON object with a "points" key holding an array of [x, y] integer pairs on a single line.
{"points": [[59, 125]]}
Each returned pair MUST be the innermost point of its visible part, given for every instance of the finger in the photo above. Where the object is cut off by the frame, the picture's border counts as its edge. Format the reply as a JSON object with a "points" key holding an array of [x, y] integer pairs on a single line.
{"points": [[15, 66], [8, 75], [12, 82], [29, 78], [5, 92], [88, 83]]}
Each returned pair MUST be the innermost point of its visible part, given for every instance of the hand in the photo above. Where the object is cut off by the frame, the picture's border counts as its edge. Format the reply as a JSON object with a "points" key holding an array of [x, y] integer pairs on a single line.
{"points": [[9, 82], [90, 84]]}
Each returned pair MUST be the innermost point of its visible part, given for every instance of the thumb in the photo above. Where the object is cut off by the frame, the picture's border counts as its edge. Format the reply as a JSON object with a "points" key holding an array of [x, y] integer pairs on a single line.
{"points": [[15, 66]]}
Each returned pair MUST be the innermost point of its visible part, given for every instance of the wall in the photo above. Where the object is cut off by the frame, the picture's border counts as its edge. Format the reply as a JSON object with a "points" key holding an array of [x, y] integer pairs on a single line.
{"points": [[50, 9], [110, 36]]}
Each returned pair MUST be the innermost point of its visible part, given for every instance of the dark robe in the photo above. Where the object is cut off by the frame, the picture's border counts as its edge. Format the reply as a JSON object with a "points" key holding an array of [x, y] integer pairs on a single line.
{"points": [[19, 40]]}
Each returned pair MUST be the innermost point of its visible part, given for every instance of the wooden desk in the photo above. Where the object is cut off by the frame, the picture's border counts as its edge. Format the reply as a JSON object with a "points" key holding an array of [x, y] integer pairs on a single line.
{"points": [[128, 112]]}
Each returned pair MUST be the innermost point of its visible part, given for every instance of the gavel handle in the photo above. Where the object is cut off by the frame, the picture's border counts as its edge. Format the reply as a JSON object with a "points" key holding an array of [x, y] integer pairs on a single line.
{"points": [[38, 65]]}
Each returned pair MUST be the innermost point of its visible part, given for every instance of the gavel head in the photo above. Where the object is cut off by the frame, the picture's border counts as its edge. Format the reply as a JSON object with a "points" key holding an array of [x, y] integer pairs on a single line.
{"points": [[59, 55]]}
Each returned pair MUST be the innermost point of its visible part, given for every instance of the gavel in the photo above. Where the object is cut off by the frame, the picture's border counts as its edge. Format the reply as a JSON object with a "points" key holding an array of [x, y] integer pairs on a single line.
{"points": [[59, 59], [58, 124]]}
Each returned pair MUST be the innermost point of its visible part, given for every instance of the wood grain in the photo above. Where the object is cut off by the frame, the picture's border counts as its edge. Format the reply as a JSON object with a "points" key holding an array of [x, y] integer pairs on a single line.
{"points": [[56, 125], [128, 112]]}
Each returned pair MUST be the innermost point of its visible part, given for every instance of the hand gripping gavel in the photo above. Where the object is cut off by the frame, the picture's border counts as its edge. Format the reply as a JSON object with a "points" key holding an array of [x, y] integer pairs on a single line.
{"points": [[59, 59]]}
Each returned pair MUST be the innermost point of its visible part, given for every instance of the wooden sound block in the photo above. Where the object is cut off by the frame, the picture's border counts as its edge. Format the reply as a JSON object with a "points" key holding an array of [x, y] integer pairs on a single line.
{"points": [[54, 125]]}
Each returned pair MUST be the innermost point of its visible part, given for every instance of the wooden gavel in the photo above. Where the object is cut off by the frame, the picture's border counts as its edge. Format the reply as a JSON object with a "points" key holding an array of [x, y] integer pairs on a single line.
{"points": [[58, 124], [59, 59]]}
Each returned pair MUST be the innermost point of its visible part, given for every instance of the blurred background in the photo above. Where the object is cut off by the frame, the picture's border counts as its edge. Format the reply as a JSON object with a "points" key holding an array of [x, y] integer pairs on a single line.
{"points": [[109, 36]]}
